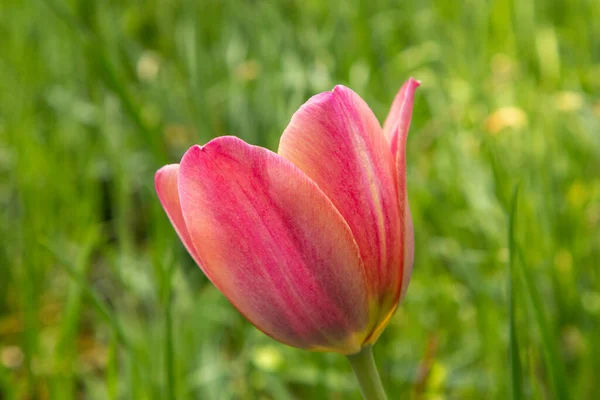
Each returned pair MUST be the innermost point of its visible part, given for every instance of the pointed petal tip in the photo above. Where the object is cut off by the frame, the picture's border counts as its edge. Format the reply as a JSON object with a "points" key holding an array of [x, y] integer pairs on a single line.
{"points": [[192, 155], [400, 114], [197, 148], [193, 150], [415, 83], [340, 91], [411, 83], [338, 88], [407, 91]]}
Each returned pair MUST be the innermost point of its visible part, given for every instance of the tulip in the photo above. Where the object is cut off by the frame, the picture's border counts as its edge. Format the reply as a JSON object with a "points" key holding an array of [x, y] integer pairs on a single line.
{"points": [[312, 244]]}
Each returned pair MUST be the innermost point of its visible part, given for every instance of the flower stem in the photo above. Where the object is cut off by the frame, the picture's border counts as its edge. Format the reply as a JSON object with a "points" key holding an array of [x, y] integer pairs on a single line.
{"points": [[363, 365]]}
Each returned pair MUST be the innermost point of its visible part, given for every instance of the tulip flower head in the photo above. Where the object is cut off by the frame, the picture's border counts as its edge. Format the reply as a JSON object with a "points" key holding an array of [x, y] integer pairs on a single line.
{"points": [[312, 244]]}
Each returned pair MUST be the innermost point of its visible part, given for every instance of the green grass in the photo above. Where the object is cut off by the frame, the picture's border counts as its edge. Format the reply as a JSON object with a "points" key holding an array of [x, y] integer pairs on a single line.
{"points": [[515, 356], [98, 298]]}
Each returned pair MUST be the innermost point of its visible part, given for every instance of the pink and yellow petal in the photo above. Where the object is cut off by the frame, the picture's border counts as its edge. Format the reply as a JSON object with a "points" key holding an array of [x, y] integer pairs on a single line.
{"points": [[409, 251], [275, 245], [398, 120], [337, 141], [165, 182], [395, 130]]}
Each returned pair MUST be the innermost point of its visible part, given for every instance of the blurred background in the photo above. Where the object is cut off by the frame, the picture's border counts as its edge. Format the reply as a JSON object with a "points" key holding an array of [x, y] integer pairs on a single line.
{"points": [[98, 298]]}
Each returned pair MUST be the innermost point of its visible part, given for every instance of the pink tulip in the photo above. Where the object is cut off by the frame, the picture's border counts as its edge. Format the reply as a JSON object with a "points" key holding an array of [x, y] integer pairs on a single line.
{"points": [[313, 244]]}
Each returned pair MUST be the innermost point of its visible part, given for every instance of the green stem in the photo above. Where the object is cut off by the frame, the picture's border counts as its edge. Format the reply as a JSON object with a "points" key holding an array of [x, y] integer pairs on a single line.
{"points": [[363, 365]]}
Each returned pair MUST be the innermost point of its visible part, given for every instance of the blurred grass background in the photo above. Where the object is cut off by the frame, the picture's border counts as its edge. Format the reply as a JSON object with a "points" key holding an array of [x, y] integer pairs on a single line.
{"points": [[98, 299]]}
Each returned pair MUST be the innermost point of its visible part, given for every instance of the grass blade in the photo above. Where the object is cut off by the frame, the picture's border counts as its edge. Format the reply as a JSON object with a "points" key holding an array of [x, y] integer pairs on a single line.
{"points": [[553, 362], [97, 301], [515, 358], [170, 360]]}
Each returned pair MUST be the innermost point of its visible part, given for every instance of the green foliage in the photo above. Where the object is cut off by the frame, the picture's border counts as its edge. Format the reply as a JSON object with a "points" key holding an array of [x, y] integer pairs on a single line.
{"points": [[98, 298], [515, 357]]}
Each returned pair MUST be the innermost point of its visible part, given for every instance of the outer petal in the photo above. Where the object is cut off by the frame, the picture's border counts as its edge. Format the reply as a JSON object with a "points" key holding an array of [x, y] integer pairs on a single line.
{"points": [[409, 251], [274, 244], [336, 140], [396, 132], [165, 182], [397, 122]]}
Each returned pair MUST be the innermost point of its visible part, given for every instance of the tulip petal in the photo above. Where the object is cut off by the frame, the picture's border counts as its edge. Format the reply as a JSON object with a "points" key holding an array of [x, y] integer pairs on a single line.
{"points": [[397, 122], [337, 141], [395, 130], [275, 245], [165, 182], [409, 252]]}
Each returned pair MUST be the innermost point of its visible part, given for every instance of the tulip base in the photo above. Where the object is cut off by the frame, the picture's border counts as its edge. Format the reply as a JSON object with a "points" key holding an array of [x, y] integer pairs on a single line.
{"points": [[363, 365]]}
